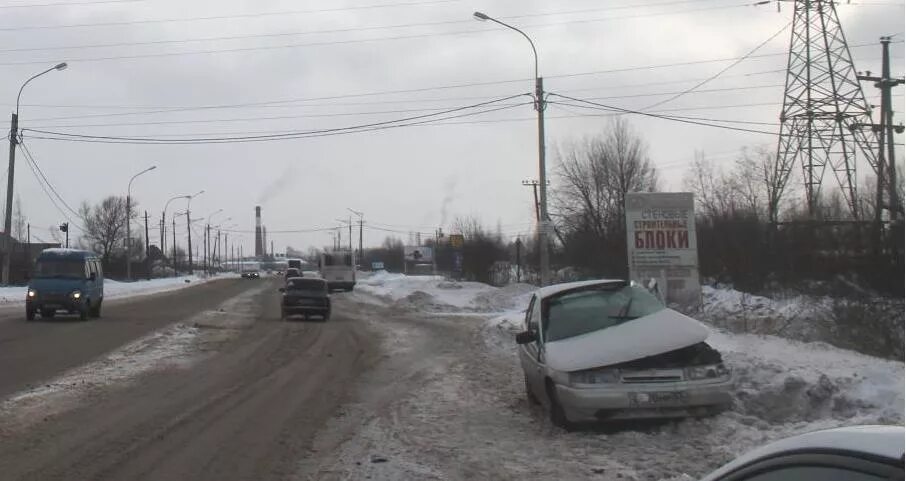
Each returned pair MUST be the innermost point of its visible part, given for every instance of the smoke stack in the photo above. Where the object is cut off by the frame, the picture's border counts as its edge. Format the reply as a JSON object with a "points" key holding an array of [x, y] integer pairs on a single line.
{"points": [[258, 238]]}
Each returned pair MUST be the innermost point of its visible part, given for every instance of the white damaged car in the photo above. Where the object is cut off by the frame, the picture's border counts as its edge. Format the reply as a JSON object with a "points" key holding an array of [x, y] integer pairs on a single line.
{"points": [[609, 350]]}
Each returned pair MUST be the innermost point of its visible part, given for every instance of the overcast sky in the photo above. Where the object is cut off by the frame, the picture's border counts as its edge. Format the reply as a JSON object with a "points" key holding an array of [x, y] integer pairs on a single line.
{"points": [[322, 64]]}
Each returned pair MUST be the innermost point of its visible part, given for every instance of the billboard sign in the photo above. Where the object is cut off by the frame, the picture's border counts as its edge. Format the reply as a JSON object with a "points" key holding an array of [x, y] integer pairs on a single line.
{"points": [[418, 253], [661, 244]]}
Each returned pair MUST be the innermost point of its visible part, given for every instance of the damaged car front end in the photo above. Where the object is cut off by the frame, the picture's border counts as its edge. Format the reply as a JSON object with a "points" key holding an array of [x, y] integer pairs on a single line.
{"points": [[608, 350]]}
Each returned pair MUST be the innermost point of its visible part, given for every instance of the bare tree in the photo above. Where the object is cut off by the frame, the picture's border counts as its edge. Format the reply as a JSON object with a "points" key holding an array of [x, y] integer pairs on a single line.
{"points": [[105, 226], [594, 175]]}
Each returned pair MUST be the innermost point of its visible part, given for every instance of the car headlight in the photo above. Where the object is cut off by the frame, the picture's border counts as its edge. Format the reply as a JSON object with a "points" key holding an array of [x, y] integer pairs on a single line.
{"points": [[76, 294], [32, 293], [595, 376], [711, 371]]}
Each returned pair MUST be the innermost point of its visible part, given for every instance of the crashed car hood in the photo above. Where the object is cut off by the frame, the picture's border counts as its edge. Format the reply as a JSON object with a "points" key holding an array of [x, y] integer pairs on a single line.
{"points": [[661, 332]]}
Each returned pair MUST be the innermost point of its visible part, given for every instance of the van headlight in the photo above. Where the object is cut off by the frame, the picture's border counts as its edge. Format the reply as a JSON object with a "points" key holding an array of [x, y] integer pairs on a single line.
{"points": [[32, 293], [711, 371], [595, 376], [76, 294]]}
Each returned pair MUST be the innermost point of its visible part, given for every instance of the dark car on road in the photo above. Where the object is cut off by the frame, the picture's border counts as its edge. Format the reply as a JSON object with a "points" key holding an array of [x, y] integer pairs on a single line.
{"points": [[292, 272], [305, 296], [251, 275], [65, 280]]}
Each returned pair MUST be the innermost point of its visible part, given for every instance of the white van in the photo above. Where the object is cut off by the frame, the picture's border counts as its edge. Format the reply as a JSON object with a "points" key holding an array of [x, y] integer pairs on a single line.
{"points": [[338, 269]]}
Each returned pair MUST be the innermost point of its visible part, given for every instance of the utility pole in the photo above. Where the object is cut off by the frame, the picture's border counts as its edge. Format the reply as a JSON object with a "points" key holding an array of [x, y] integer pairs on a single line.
{"points": [[886, 156], [350, 236], [518, 260], [361, 248], [204, 241], [189, 228], [8, 219], [147, 248], [175, 264]]}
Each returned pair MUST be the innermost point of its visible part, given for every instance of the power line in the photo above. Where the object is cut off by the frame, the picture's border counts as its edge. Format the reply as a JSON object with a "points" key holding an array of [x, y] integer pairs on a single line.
{"points": [[224, 17], [31, 159], [344, 114], [721, 71], [46, 192], [299, 134], [69, 4], [319, 32], [748, 122], [249, 119], [665, 117], [350, 41]]}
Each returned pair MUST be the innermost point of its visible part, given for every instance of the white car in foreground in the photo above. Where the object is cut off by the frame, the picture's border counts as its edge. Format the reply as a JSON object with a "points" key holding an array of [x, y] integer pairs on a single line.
{"points": [[607, 350], [859, 453]]}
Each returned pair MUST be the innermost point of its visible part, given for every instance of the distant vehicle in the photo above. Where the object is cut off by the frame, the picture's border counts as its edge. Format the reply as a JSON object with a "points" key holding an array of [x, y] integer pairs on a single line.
{"points": [[292, 272], [294, 263], [338, 268], [67, 280], [858, 453], [251, 275], [306, 297], [608, 350]]}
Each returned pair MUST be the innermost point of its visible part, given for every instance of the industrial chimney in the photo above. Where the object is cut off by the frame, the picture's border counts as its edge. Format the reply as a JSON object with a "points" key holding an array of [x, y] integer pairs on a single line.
{"points": [[259, 241]]}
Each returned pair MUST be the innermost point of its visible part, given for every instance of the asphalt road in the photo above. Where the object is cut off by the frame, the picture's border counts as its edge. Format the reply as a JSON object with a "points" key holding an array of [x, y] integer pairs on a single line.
{"points": [[248, 409]]}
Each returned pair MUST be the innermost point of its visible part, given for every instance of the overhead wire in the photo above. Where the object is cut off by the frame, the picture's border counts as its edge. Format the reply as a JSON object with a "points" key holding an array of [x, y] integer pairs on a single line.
{"points": [[360, 40], [46, 192], [406, 121], [721, 71]]}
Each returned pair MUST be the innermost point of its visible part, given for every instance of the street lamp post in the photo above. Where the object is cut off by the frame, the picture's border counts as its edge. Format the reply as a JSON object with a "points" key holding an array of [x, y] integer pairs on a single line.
{"points": [[189, 226], [207, 240], [163, 224], [13, 141], [542, 170], [361, 216], [129, 222]]}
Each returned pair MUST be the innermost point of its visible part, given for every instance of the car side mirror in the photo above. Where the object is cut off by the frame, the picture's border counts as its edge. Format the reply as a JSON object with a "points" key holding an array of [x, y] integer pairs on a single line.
{"points": [[93, 276], [526, 337], [282, 289]]}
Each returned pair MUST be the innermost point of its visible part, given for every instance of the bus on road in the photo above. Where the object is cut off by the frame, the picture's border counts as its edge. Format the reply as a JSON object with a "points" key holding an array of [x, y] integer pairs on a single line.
{"points": [[338, 269]]}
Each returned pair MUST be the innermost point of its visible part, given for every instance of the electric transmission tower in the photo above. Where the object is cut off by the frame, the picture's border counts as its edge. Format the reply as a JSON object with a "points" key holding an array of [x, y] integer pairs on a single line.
{"points": [[823, 106]]}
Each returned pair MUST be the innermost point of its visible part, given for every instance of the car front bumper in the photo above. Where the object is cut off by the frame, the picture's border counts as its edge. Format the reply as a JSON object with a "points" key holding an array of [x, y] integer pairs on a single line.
{"points": [[60, 304], [644, 401]]}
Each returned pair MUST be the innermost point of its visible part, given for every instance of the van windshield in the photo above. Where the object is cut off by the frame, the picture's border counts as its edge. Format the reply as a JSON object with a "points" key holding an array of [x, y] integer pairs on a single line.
{"points": [[74, 269]]}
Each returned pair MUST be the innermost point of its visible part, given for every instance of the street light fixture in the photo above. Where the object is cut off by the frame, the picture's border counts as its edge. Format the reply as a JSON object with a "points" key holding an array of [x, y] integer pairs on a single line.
{"points": [[129, 220], [163, 225], [13, 141], [542, 170]]}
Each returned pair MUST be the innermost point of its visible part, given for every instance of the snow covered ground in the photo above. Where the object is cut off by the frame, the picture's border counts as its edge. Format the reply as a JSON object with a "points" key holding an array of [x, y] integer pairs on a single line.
{"points": [[117, 290], [468, 417]]}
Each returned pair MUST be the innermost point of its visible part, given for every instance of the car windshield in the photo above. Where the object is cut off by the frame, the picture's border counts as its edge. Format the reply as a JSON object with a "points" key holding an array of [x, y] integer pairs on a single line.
{"points": [[306, 285], [580, 312], [60, 268]]}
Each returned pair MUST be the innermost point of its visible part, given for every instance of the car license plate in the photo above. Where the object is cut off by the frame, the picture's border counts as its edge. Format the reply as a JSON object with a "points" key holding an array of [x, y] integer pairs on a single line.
{"points": [[659, 398]]}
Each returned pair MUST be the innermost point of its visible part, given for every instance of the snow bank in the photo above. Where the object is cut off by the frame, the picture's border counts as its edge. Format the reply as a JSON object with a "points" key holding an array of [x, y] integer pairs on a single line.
{"points": [[436, 294], [115, 289]]}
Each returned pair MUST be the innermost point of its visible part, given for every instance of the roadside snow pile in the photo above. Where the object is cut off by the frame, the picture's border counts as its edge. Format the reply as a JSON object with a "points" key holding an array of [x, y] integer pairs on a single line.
{"points": [[781, 380], [115, 289], [435, 294], [860, 322]]}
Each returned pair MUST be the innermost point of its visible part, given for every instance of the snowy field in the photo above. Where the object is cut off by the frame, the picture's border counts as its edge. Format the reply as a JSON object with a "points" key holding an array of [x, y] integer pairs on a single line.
{"points": [[469, 417], [116, 289]]}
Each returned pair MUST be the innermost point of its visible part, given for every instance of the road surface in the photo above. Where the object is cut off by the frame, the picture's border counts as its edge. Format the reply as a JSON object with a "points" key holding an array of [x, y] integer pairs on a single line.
{"points": [[243, 406]]}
